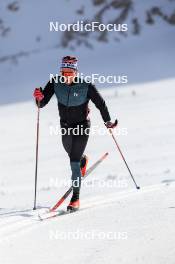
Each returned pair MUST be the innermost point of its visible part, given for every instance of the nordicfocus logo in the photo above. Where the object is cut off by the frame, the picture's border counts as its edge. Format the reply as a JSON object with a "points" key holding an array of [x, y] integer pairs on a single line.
{"points": [[81, 234], [93, 78], [93, 26]]}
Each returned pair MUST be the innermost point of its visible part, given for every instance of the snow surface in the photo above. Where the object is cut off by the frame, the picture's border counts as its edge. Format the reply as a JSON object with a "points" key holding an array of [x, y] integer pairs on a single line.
{"points": [[143, 221]]}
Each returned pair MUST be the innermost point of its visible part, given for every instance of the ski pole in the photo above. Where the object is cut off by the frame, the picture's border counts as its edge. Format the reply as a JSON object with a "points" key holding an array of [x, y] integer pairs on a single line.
{"points": [[36, 161], [111, 132]]}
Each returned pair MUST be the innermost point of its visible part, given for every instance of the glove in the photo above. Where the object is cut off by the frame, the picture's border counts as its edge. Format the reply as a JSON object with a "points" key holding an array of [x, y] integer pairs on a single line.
{"points": [[110, 124], [38, 94]]}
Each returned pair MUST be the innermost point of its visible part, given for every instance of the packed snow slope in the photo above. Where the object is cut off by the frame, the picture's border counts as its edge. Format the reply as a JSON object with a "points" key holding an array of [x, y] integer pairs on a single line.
{"points": [[117, 222]]}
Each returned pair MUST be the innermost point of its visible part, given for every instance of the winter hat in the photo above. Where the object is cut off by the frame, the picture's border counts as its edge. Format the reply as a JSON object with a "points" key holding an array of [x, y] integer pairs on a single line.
{"points": [[69, 62]]}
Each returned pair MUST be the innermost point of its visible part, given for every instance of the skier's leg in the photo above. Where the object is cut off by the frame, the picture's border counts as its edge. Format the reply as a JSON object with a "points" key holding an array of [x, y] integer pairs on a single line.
{"points": [[67, 142], [79, 143], [74, 146]]}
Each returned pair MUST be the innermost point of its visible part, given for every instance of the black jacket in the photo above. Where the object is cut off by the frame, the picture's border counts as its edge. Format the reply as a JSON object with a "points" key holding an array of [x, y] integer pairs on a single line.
{"points": [[73, 101]]}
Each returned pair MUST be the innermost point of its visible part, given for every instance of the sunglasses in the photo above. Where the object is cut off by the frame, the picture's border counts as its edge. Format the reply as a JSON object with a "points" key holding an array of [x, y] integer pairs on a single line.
{"points": [[64, 73]]}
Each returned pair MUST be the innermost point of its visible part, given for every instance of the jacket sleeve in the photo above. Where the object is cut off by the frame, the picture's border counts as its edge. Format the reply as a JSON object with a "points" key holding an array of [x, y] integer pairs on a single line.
{"points": [[99, 102], [48, 92]]}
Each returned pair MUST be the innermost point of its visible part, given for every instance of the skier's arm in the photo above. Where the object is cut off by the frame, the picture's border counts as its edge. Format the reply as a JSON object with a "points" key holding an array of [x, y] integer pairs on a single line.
{"points": [[99, 102], [48, 92]]}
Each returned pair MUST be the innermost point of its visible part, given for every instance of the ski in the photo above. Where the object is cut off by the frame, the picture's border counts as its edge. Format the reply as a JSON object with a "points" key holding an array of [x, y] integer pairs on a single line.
{"points": [[48, 215], [52, 211]]}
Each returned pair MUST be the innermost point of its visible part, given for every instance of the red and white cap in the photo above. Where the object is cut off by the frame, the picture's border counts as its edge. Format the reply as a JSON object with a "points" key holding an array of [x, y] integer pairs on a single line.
{"points": [[69, 62]]}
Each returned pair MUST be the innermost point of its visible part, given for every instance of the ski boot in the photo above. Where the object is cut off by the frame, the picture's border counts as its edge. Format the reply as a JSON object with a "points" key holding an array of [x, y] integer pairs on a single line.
{"points": [[74, 204]]}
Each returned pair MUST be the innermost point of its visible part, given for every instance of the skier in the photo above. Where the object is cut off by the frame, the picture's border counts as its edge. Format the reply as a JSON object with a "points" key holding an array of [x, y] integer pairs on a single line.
{"points": [[73, 95]]}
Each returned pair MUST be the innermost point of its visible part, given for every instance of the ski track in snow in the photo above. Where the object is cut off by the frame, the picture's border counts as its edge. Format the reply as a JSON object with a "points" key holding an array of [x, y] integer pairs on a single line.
{"points": [[15, 225]]}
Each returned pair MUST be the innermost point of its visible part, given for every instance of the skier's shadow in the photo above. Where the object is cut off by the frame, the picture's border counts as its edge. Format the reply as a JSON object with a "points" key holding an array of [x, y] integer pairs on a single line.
{"points": [[23, 213], [29, 213]]}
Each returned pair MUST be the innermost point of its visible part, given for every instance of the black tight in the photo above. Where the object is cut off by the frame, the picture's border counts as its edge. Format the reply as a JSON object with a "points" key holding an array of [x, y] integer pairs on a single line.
{"points": [[75, 144]]}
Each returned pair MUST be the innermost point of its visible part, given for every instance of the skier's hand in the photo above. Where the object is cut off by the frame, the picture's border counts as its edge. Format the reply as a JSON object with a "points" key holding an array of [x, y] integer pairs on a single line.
{"points": [[38, 94], [110, 124]]}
